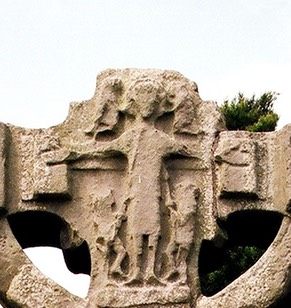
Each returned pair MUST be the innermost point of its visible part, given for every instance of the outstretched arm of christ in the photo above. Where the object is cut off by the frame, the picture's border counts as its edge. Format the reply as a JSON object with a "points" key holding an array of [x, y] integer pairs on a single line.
{"points": [[99, 150]]}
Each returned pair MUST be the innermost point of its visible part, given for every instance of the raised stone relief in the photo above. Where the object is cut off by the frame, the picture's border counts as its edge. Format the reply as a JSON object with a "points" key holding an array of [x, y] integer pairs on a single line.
{"points": [[182, 226], [131, 186], [107, 222]]}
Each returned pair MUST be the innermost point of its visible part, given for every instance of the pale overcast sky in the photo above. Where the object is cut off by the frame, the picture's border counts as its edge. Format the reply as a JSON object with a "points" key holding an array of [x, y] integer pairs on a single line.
{"points": [[51, 51]]}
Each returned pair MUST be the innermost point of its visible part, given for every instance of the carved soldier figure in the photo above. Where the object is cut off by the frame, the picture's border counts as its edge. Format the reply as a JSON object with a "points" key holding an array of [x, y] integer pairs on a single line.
{"points": [[108, 224], [182, 225]]}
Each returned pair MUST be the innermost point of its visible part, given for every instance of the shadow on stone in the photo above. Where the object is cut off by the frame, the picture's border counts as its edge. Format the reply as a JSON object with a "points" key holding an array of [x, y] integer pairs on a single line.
{"points": [[249, 233], [37, 229]]}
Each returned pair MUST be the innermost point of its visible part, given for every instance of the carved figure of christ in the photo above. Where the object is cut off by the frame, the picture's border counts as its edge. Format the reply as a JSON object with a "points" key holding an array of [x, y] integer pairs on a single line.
{"points": [[145, 147]]}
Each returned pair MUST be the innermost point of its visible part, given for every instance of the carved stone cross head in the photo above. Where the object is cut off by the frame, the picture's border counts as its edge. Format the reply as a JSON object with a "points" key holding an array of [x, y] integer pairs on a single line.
{"points": [[144, 189]]}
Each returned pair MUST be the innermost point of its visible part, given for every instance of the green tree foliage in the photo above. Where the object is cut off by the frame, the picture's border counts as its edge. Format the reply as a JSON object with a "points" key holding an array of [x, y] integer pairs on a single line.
{"points": [[251, 114], [237, 260], [254, 115]]}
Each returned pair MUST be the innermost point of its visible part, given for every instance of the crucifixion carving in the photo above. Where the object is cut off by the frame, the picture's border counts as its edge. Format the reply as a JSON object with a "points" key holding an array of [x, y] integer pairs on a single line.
{"points": [[132, 186]]}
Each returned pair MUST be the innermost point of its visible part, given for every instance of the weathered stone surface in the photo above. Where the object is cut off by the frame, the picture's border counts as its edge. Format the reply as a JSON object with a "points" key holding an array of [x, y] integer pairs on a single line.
{"points": [[129, 186], [3, 151], [31, 289], [238, 164]]}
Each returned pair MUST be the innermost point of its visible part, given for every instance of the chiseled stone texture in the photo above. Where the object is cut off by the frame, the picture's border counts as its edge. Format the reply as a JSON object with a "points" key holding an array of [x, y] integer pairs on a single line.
{"points": [[137, 178]]}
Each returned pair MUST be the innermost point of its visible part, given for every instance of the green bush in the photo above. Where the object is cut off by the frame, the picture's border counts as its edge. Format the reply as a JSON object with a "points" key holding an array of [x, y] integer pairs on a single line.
{"points": [[251, 114], [237, 260]]}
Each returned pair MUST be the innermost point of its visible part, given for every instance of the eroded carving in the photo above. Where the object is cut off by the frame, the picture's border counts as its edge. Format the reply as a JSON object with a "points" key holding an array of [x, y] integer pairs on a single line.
{"points": [[141, 174], [107, 221], [182, 226], [237, 163], [39, 179], [3, 151]]}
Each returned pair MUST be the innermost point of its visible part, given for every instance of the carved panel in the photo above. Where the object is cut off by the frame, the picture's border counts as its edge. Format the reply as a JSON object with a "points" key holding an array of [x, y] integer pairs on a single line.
{"points": [[39, 177], [237, 167], [131, 186]]}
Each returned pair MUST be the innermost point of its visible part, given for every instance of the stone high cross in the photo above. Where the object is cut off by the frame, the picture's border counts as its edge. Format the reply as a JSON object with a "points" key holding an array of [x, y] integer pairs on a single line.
{"points": [[140, 187]]}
